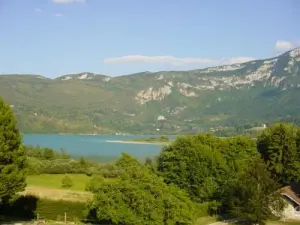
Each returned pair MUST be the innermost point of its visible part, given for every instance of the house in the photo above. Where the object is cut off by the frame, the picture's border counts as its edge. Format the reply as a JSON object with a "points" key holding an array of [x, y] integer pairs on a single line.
{"points": [[291, 195]]}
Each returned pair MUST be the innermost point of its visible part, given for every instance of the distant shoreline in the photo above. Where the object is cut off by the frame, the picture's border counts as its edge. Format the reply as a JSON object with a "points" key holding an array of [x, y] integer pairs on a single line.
{"points": [[135, 142]]}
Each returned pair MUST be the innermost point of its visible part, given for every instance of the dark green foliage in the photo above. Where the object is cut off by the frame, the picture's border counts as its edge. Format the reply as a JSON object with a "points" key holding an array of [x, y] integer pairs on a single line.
{"points": [[239, 151], [57, 166], [22, 207], [253, 196], [28, 207], [279, 147], [95, 183], [207, 167], [53, 210], [148, 161], [46, 160], [66, 182], [162, 138], [195, 165], [12, 157], [109, 171], [298, 140], [138, 197], [45, 153]]}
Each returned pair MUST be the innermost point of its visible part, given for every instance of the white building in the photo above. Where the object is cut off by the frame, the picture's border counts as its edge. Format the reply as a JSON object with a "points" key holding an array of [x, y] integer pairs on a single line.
{"points": [[161, 118]]}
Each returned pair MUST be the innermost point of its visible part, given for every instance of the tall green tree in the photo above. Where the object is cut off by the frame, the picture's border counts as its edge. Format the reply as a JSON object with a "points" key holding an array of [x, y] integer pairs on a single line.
{"points": [[278, 147], [138, 196], [12, 155], [254, 197], [239, 151], [195, 165]]}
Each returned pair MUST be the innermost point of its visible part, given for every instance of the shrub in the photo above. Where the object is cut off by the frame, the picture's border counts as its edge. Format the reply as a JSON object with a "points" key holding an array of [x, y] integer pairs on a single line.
{"points": [[66, 182]]}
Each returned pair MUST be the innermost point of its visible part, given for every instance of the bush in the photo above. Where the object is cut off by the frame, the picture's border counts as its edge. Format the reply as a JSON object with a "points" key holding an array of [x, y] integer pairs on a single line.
{"points": [[66, 182], [139, 196]]}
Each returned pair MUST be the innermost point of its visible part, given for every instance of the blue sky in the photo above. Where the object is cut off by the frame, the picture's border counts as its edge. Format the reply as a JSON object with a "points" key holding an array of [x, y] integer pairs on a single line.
{"points": [[116, 37]]}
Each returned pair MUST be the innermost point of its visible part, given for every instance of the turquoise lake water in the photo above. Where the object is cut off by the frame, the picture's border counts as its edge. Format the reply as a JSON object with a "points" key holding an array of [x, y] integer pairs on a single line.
{"points": [[95, 147]]}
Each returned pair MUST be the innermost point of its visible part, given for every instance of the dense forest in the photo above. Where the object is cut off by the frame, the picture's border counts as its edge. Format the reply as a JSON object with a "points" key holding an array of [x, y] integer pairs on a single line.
{"points": [[231, 178]]}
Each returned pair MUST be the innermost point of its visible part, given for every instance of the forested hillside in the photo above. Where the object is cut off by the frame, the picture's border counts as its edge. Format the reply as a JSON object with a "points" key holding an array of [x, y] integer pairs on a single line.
{"points": [[218, 98]]}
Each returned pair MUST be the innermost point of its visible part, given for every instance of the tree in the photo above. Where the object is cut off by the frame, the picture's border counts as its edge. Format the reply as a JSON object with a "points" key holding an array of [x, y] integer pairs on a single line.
{"points": [[138, 196], [63, 154], [195, 165], [12, 155], [148, 161], [82, 161], [164, 138], [278, 147], [298, 140], [239, 151], [66, 182], [255, 196], [49, 154]]}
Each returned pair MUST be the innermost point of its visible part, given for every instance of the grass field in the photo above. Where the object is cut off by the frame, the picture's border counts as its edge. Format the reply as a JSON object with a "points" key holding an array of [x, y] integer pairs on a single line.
{"points": [[54, 181], [205, 220], [49, 186]]}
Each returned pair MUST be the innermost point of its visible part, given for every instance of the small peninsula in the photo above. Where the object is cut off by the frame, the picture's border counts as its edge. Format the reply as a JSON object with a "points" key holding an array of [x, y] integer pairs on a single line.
{"points": [[152, 140]]}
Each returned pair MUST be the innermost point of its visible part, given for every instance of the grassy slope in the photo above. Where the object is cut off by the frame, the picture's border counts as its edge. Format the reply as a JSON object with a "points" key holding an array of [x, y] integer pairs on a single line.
{"points": [[54, 181]]}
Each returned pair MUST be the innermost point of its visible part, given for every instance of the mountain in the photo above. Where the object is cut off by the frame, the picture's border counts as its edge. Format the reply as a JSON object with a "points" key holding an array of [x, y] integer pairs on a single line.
{"points": [[250, 93]]}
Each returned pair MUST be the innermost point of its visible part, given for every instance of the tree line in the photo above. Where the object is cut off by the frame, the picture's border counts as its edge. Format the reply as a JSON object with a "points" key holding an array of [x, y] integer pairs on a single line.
{"points": [[235, 177]]}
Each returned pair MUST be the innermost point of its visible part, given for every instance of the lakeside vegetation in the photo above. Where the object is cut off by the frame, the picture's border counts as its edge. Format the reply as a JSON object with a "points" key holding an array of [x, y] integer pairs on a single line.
{"points": [[194, 179], [153, 140]]}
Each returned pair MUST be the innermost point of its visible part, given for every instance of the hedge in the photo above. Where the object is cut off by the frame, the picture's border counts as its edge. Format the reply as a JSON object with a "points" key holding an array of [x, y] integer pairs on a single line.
{"points": [[29, 207], [55, 210]]}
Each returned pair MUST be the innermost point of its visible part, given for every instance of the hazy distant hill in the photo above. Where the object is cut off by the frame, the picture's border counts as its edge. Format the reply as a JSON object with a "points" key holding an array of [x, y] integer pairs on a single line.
{"points": [[172, 101]]}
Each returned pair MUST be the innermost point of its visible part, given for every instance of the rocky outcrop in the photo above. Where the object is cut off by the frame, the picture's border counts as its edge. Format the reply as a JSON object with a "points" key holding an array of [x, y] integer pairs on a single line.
{"points": [[151, 94]]}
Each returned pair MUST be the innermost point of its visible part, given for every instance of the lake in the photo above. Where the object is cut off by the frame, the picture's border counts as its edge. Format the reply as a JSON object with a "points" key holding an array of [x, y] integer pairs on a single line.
{"points": [[95, 147]]}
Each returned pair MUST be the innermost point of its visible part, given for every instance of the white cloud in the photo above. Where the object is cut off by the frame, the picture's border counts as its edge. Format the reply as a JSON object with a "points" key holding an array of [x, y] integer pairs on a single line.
{"points": [[175, 61], [58, 15], [68, 1], [38, 10], [284, 46], [238, 60]]}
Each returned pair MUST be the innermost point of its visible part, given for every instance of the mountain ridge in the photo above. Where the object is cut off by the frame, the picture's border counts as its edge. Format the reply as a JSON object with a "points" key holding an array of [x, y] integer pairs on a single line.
{"points": [[218, 97], [149, 72]]}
